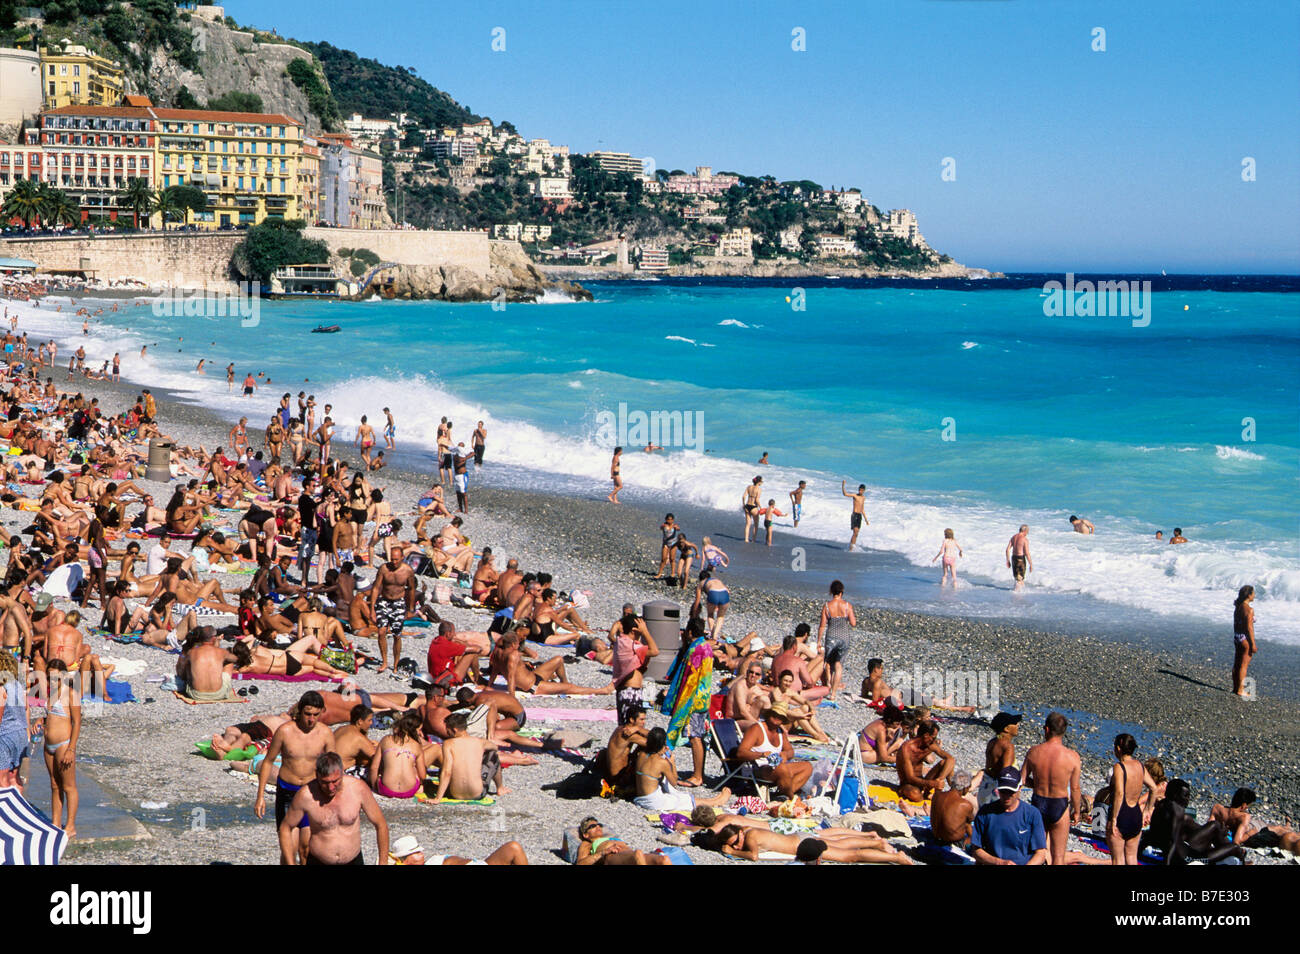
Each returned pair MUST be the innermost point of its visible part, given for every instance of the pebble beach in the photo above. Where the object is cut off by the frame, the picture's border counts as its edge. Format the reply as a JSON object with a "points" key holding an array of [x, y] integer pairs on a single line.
{"points": [[143, 755]]}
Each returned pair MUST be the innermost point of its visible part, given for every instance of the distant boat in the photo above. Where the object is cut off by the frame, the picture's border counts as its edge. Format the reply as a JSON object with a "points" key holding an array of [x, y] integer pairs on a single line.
{"points": [[323, 330]]}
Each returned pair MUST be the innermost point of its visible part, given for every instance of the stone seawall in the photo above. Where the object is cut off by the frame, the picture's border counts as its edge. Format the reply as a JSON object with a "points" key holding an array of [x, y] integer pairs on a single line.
{"points": [[467, 250], [193, 259]]}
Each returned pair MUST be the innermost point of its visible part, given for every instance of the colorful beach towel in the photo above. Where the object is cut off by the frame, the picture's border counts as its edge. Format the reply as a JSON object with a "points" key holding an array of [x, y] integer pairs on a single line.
{"points": [[300, 677], [691, 687], [571, 715]]}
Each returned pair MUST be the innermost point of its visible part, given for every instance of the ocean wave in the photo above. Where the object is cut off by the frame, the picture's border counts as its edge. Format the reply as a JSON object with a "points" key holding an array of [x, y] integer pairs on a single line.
{"points": [[553, 297], [1235, 453], [734, 322], [967, 345], [689, 341]]}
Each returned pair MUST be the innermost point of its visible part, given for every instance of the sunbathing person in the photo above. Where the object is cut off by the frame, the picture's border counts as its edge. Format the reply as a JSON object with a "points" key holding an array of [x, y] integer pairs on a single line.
{"points": [[243, 734], [597, 848], [469, 764], [880, 740], [398, 768], [408, 851], [174, 580], [767, 744], [915, 783], [205, 667], [1180, 838], [800, 712], [655, 780], [1236, 818], [352, 741], [748, 696], [501, 711], [301, 655], [614, 761], [508, 671], [181, 516], [852, 848]]}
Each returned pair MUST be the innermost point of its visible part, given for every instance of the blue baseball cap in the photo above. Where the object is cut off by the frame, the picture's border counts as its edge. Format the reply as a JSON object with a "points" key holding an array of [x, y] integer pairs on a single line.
{"points": [[1009, 779]]}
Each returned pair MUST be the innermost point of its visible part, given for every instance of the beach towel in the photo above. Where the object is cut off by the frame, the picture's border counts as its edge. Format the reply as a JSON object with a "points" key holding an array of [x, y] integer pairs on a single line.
{"points": [[116, 692], [64, 580], [281, 677], [422, 796], [571, 715], [691, 687], [181, 609]]}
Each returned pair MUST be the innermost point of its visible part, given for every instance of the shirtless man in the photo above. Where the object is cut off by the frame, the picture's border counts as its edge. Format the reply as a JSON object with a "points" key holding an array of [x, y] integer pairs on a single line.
{"points": [[915, 784], [324, 434], [298, 744], [478, 441], [206, 667], [392, 598], [796, 501], [331, 806], [999, 754], [749, 505], [615, 761], [859, 516], [748, 696], [1081, 525], [468, 764], [953, 810], [1018, 559], [1178, 536], [508, 671], [352, 741], [1052, 769]]}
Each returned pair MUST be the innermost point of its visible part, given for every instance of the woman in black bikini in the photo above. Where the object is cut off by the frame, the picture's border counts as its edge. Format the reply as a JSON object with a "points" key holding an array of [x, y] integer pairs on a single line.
{"points": [[300, 656], [1124, 830]]}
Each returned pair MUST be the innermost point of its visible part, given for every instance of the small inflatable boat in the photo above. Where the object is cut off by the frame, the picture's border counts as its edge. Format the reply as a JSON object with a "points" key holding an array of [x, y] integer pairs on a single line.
{"points": [[323, 330]]}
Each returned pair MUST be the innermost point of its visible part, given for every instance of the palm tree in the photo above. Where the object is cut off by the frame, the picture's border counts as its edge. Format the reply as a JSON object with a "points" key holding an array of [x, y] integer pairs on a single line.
{"points": [[24, 202], [164, 203], [138, 197], [61, 209]]}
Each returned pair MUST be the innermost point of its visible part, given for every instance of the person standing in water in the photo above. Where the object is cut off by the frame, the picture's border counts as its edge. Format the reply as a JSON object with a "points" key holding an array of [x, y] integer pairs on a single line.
{"points": [[946, 551], [796, 501], [859, 517], [1018, 559], [1243, 638], [615, 474], [390, 429]]}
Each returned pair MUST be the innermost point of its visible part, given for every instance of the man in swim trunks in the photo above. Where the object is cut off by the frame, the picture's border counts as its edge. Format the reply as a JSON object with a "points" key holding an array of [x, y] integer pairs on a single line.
{"points": [[469, 765], [392, 597], [1018, 558], [330, 805], [796, 501], [352, 741], [478, 440], [858, 517], [1081, 526], [1052, 769], [915, 784], [203, 667], [298, 744], [390, 429]]}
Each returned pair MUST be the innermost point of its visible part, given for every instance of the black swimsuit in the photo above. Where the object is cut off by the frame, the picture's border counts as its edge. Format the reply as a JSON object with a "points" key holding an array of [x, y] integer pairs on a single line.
{"points": [[1129, 820]]}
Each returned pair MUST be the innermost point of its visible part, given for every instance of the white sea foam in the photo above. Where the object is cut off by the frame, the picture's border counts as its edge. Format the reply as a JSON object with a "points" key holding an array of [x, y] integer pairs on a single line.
{"points": [[1235, 453], [1121, 564], [967, 345], [679, 338], [734, 322]]}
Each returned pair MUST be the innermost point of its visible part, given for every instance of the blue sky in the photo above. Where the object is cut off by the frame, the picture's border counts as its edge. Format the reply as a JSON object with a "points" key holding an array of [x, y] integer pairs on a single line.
{"points": [[1066, 158]]}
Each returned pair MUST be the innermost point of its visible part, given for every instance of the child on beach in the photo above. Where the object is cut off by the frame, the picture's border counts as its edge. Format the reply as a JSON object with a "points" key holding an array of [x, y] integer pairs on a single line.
{"points": [[768, 513], [946, 551]]}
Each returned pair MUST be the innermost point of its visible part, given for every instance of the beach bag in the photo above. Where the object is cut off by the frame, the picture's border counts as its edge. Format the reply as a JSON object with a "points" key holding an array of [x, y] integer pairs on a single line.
{"points": [[849, 794], [677, 856], [442, 593], [718, 706], [344, 659]]}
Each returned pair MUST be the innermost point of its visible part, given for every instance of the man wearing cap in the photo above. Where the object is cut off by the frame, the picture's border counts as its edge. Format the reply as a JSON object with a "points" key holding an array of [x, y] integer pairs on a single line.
{"points": [[1000, 753], [1009, 832], [767, 743], [1052, 769], [951, 811]]}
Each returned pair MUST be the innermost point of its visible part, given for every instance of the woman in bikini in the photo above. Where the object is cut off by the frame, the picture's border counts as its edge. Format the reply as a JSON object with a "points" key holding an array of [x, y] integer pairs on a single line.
{"points": [[398, 768], [1243, 638], [182, 517], [881, 739], [62, 732], [714, 595], [1128, 778], [302, 655], [616, 474]]}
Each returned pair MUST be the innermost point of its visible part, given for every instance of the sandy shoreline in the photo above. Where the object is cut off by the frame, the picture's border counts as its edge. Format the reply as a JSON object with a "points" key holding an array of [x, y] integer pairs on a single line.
{"points": [[1183, 706]]}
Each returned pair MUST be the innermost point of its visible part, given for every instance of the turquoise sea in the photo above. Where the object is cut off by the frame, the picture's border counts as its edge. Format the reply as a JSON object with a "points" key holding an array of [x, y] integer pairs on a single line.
{"points": [[958, 404]]}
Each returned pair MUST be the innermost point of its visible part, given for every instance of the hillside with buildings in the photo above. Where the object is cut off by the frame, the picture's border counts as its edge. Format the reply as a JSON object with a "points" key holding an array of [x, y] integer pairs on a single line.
{"points": [[159, 112]]}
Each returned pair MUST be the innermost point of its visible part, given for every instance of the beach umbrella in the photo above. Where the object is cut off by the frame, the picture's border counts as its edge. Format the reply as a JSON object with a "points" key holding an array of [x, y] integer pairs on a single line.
{"points": [[26, 836]]}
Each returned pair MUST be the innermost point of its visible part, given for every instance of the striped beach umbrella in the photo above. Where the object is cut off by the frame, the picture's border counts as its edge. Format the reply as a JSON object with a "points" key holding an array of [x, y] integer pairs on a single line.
{"points": [[26, 836]]}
